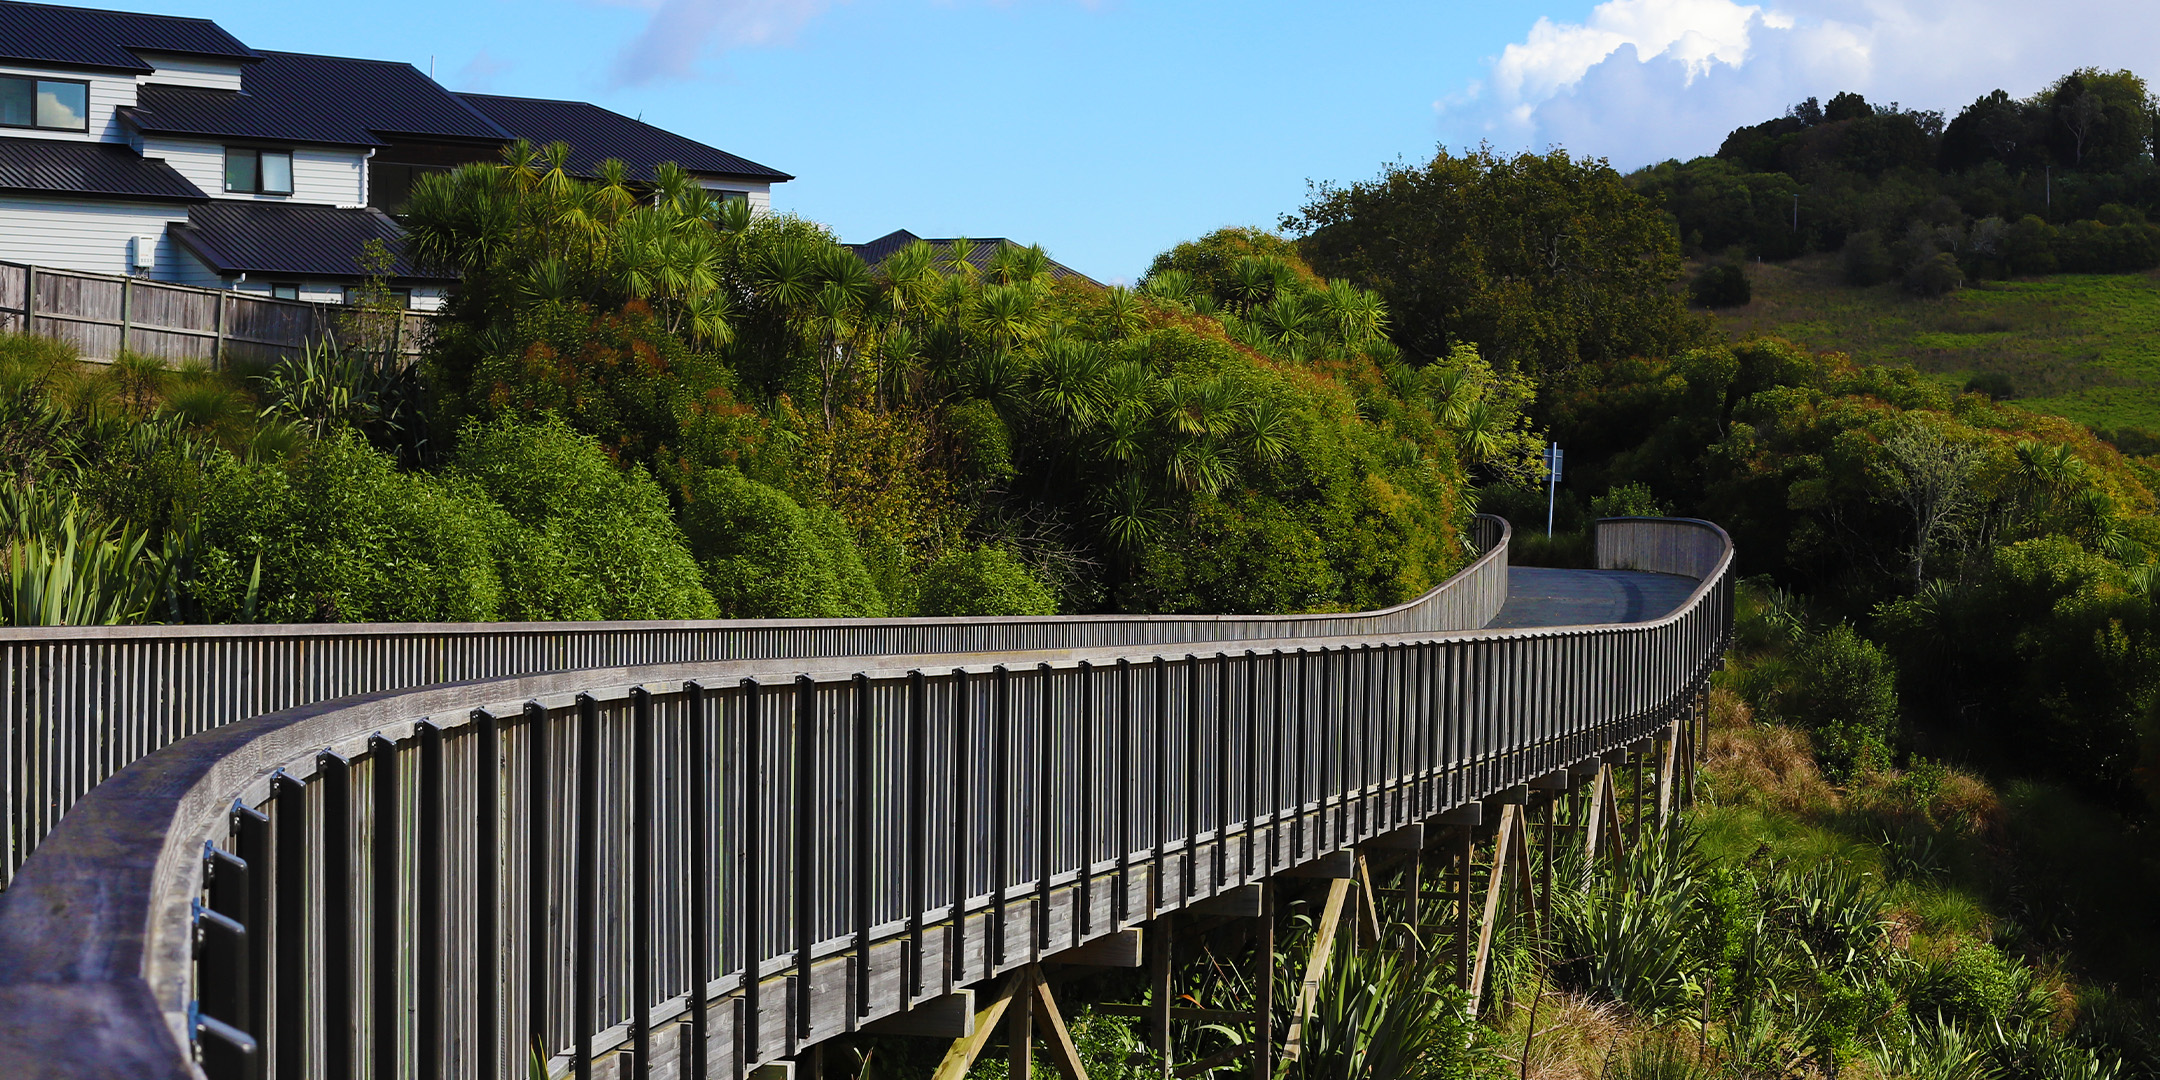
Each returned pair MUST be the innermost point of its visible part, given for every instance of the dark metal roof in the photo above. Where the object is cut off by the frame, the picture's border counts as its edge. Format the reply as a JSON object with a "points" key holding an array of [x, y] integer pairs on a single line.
{"points": [[235, 236], [302, 98], [84, 37], [985, 249], [595, 134], [47, 166]]}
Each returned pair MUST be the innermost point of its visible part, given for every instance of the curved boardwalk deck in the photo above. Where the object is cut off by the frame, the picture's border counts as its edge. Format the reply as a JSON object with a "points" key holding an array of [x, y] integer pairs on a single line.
{"points": [[1540, 596]]}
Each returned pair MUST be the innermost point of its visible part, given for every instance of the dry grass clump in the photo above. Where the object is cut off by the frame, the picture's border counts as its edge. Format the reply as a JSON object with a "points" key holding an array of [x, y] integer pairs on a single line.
{"points": [[1967, 804], [1575, 1035], [1768, 766]]}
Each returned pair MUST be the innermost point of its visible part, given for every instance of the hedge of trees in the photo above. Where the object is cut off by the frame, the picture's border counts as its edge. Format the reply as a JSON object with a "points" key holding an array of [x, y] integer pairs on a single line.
{"points": [[2061, 181], [648, 404]]}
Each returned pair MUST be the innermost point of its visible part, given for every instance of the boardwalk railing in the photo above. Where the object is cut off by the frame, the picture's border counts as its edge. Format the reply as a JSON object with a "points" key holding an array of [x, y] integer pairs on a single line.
{"points": [[101, 315], [83, 702], [700, 866]]}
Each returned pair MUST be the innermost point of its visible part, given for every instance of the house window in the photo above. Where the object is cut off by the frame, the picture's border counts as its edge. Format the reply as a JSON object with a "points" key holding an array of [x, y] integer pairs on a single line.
{"points": [[260, 172], [52, 104], [284, 290]]}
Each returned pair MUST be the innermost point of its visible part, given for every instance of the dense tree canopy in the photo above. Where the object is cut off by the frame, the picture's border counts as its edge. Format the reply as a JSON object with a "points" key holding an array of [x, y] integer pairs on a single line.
{"points": [[1543, 262]]}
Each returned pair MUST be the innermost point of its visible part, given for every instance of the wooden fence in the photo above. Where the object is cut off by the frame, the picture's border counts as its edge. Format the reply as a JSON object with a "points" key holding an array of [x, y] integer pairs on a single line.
{"points": [[101, 316]]}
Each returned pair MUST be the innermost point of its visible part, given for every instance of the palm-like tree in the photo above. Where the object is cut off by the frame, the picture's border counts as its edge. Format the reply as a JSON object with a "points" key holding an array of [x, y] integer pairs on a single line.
{"points": [[1120, 313], [1169, 286], [1007, 314], [1357, 316], [1069, 382], [1254, 280]]}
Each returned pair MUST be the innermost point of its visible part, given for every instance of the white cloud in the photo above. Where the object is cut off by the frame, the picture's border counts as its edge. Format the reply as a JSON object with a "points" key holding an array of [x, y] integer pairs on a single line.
{"points": [[1641, 80], [679, 33]]}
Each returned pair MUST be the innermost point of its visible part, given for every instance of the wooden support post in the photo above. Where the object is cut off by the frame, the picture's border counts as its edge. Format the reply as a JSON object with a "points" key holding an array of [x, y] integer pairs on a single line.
{"points": [[1263, 1060], [127, 313], [1368, 906], [1593, 823], [1525, 880], [1159, 1003], [1635, 797], [1063, 1054], [1669, 743], [1465, 856], [1493, 885], [1612, 826], [961, 1057], [1414, 877], [1020, 1026], [1316, 965]]}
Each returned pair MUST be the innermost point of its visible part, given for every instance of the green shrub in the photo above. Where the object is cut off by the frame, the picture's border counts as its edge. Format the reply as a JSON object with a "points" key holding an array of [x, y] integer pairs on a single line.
{"points": [[1995, 385], [1865, 259], [986, 581], [1935, 275], [1975, 986], [1721, 285], [337, 534], [1627, 500], [767, 557], [1241, 555], [1843, 691], [585, 540]]}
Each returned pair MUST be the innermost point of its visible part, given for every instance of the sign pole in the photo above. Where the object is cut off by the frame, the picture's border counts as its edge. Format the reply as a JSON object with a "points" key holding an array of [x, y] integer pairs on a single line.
{"points": [[1552, 484]]}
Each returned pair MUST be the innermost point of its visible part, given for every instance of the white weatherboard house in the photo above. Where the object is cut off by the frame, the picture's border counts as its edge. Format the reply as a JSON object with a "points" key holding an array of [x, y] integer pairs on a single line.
{"points": [[163, 147]]}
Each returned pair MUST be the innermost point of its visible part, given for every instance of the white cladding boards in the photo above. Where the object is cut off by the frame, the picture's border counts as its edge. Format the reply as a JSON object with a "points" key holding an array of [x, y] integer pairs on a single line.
{"points": [[93, 237], [760, 193], [429, 297], [193, 71], [107, 94], [320, 292], [189, 270], [323, 176]]}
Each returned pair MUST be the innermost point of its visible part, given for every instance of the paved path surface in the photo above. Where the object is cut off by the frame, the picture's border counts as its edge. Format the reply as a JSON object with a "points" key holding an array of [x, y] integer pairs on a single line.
{"points": [[1538, 596]]}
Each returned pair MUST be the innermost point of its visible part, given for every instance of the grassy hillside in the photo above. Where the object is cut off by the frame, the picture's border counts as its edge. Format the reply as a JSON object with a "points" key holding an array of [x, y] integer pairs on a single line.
{"points": [[2084, 346]]}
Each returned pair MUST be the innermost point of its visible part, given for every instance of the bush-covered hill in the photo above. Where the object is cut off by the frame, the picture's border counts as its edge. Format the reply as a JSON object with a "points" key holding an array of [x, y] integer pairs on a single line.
{"points": [[2082, 346]]}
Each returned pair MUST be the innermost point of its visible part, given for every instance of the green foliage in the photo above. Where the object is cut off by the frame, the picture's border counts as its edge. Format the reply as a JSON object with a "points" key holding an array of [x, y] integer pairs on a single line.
{"points": [[1542, 261], [1865, 260], [326, 389], [767, 557], [1721, 284], [337, 534], [63, 566], [1843, 692], [1382, 1016], [1936, 275], [1633, 499], [1630, 937], [584, 539], [989, 580]]}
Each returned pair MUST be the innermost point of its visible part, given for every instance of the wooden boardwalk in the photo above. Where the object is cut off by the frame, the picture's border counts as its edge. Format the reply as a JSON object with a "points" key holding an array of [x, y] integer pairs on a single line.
{"points": [[668, 867]]}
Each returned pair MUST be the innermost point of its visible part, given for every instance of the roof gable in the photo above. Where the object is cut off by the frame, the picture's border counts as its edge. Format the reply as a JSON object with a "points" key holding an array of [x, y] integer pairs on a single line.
{"points": [[235, 237], [980, 255], [595, 134], [301, 97], [74, 168], [87, 37]]}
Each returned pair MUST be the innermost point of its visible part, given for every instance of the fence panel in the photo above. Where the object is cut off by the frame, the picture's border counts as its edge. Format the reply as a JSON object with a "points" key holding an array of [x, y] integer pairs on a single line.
{"points": [[97, 314]]}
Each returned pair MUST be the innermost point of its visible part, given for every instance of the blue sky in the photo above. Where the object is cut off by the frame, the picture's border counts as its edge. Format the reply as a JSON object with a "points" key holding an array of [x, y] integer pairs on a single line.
{"points": [[1108, 130]]}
